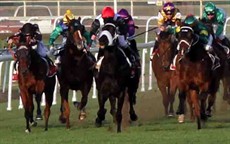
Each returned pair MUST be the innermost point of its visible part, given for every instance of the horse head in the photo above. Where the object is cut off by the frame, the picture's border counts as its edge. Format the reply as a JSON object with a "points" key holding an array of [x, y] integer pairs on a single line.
{"points": [[23, 57], [106, 37], [165, 48], [186, 39], [76, 30]]}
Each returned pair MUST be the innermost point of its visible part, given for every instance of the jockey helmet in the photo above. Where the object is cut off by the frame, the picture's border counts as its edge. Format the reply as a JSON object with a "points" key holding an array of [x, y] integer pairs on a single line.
{"points": [[123, 13], [210, 8], [107, 12], [190, 20], [169, 8], [68, 16]]}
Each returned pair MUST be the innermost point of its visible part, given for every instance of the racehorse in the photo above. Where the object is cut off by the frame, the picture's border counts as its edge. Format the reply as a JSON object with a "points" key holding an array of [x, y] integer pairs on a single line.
{"points": [[160, 64], [74, 71], [33, 80], [196, 77], [224, 68], [113, 78], [15, 42]]}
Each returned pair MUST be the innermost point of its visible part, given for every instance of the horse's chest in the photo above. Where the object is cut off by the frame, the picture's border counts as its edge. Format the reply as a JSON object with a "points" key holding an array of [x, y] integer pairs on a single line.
{"points": [[31, 84]]}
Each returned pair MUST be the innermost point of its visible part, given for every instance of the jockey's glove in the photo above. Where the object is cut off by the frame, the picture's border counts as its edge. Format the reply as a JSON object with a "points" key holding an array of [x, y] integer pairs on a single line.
{"points": [[208, 48], [52, 49]]}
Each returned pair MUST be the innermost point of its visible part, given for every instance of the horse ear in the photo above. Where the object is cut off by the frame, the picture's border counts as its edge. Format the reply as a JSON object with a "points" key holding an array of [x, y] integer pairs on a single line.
{"points": [[79, 18]]}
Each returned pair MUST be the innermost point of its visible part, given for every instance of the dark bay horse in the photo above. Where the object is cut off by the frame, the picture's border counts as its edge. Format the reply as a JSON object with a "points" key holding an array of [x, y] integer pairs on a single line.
{"points": [[113, 79], [221, 52], [160, 64], [197, 79], [33, 80], [74, 71]]}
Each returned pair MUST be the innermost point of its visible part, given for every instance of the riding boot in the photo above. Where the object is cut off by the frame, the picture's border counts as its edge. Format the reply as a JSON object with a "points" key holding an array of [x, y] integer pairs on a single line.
{"points": [[52, 67], [130, 54], [226, 43], [172, 65], [91, 59], [154, 49]]}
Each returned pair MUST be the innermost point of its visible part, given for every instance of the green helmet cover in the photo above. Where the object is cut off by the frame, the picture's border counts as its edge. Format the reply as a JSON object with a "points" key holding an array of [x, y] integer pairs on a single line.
{"points": [[210, 7], [190, 20]]}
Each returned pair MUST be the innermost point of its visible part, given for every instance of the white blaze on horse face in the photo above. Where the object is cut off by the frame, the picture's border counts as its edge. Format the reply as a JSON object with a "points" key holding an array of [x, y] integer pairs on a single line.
{"points": [[78, 40], [108, 35]]}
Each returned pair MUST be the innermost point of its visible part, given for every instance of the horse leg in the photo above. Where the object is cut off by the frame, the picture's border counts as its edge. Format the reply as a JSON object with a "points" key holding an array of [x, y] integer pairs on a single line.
{"points": [[113, 109], [203, 107], [119, 110], [49, 100], [84, 100], [165, 98], [38, 98], [181, 106], [65, 109], [101, 112], [195, 100], [171, 95], [211, 102], [27, 102], [132, 112]]}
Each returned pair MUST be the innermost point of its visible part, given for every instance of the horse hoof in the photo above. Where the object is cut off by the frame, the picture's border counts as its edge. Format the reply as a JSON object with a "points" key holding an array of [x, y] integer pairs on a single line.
{"points": [[181, 118], [170, 115], [133, 117], [208, 114], [39, 117], [76, 104], [98, 122], [82, 116], [27, 131], [34, 124], [62, 120]]}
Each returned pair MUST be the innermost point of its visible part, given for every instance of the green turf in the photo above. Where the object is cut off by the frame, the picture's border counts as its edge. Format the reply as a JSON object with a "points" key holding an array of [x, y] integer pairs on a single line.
{"points": [[152, 127]]}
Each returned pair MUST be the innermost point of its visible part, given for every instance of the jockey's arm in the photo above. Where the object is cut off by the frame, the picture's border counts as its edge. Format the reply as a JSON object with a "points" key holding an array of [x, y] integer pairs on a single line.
{"points": [[54, 35], [86, 35], [221, 21]]}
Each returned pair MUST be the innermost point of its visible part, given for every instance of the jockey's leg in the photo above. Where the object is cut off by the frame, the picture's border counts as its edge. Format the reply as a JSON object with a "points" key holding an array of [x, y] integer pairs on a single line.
{"points": [[226, 43], [52, 67], [90, 57]]}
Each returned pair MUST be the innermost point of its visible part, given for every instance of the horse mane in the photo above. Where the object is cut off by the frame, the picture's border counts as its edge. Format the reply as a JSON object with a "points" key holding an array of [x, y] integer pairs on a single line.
{"points": [[37, 65]]}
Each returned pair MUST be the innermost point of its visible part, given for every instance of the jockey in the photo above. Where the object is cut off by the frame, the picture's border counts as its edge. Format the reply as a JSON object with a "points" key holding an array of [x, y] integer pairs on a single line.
{"points": [[126, 31], [169, 18], [107, 15], [62, 29], [217, 17], [204, 36], [31, 33]]}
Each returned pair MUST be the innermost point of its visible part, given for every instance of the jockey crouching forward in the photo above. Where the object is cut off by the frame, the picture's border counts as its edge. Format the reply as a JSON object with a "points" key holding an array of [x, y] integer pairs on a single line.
{"points": [[217, 17], [62, 29], [169, 19], [126, 30], [204, 37], [34, 39]]}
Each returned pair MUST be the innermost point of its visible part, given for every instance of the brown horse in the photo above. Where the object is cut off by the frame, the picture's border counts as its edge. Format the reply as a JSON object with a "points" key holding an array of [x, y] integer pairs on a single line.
{"points": [[160, 64], [196, 77], [33, 80], [74, 71]]}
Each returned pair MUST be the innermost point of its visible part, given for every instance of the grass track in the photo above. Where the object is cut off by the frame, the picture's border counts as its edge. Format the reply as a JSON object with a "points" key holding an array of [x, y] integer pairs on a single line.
{"points": [[152, 127]]}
